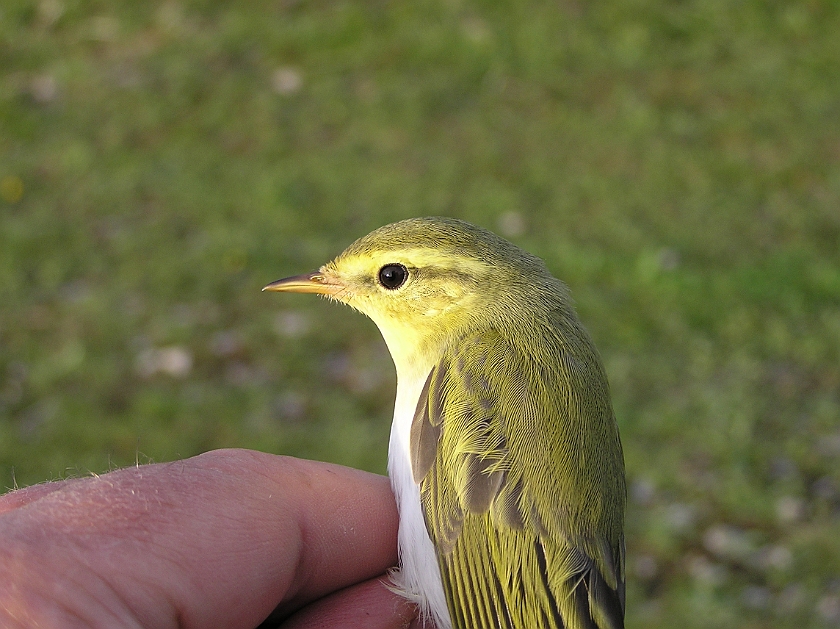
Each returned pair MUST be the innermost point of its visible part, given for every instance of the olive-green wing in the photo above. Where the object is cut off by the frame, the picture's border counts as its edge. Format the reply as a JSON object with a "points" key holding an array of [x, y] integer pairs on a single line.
{"points": [[527, 512]]}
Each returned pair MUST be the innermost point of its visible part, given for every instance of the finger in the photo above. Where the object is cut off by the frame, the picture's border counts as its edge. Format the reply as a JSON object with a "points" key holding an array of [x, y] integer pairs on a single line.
{"points": [[368, 605], [216, 540]]}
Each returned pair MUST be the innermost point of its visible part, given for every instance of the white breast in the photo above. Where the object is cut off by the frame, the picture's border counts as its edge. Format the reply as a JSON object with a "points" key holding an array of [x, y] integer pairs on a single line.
{"points": [[419, 576]]}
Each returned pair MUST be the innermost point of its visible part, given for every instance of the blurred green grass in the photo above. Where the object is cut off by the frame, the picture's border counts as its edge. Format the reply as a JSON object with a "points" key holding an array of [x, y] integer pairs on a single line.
{"points": [[676, 163]]}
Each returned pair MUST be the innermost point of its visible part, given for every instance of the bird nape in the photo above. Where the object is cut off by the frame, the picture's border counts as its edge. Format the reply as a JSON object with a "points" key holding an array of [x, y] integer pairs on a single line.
{"points": [[504, 455]]}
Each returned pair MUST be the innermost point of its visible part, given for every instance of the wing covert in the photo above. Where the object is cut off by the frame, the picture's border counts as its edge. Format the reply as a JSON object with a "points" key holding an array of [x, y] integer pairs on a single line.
{"points": [[511, 556]]}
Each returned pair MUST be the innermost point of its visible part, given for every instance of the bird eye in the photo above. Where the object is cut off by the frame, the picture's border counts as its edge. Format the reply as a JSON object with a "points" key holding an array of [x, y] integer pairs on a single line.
{"points": [[392, 276]]}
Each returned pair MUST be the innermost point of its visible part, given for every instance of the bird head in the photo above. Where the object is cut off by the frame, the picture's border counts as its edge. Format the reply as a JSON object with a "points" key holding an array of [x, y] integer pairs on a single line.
{"points": [[424, 280]]}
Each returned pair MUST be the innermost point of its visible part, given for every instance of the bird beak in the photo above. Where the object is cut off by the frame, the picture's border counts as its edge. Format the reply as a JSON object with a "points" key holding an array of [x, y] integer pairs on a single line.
{"points": [[315, 282]]}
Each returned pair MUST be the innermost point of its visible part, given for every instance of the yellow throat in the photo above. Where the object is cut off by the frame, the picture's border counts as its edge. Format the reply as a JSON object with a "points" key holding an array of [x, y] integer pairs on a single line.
{"points": [[504, 455]]}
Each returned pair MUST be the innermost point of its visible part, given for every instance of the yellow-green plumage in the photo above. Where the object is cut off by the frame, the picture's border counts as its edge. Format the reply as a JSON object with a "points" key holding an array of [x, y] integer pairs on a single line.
{"points": [[504, 417], [533, 557]]}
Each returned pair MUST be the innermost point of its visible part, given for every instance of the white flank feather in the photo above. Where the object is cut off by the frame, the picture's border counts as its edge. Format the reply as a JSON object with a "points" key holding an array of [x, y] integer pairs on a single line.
{"points": [[419, 576]]}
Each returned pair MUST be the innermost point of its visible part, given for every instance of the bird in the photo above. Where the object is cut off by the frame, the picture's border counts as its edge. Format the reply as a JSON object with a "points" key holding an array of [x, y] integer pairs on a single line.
{"points": [[504, 456]]}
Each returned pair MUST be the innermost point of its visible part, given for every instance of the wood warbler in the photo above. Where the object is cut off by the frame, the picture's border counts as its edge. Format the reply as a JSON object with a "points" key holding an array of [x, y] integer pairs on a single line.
{"points": [[504, 456]]}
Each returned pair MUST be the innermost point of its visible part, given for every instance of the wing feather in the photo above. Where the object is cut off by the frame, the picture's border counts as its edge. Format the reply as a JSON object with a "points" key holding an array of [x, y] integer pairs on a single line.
{"points": [[510, 557]]}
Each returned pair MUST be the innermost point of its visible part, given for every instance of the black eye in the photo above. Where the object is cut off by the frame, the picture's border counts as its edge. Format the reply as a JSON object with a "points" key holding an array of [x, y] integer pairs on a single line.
{"points": [[392, 276]]}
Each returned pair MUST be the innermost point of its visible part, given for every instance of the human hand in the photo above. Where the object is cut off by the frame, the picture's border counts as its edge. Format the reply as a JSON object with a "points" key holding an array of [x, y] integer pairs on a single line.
{"points": [[218, 540]]}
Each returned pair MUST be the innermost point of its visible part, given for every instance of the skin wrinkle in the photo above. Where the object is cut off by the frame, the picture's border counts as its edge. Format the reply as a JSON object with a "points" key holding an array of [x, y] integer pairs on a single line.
{"points": [[14, 600], [315, 543], [64, 593], [303, 573], [120, 598], [291, 536]]}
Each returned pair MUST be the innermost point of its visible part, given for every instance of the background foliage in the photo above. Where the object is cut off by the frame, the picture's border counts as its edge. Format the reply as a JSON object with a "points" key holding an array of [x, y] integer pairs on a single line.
{"points": [[677, 163]]}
